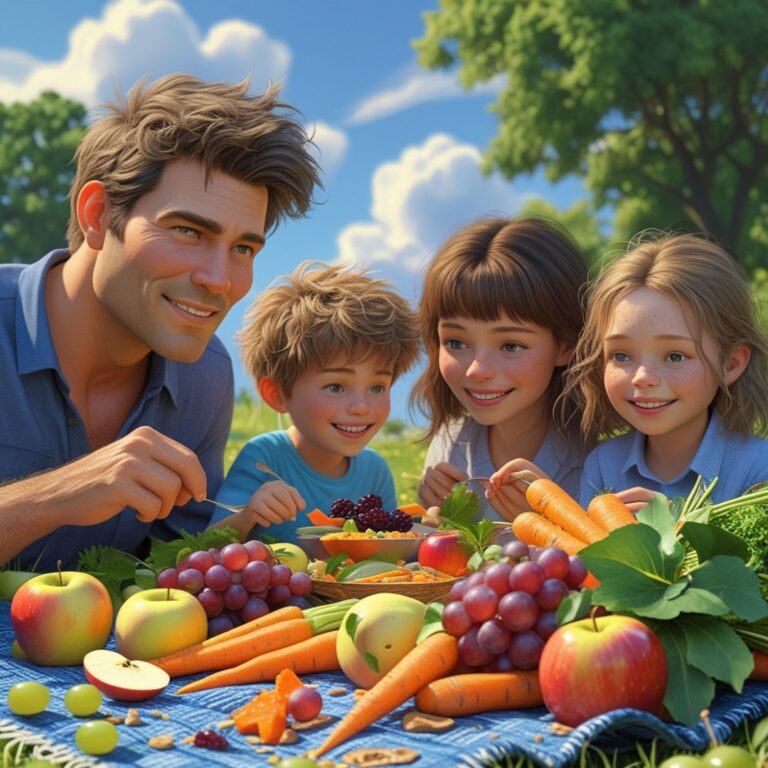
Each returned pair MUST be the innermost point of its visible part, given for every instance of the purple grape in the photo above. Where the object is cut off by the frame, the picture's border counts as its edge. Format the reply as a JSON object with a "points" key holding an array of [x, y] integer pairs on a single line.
{"points": [[168, 578], [475, 579], [191, 580], [255, 576], [280, 576], [237, 577], [500, 664], [300, 584], [235, 556], [526, 577], [202, 560], [515, 551], [518, 611], [470, 652], [554, 562], [546, 624], [525, 650], [497, 577], [254, 608], [551, 594], [219, 624], [304, 703], [258, 550], [236, 618], [455, 619], [576, 572], [493, 637], [480, 603], [299, 602], [212, 602], [215, 553], [459, 589], [235, 597], [278, 595], [218, 577]]}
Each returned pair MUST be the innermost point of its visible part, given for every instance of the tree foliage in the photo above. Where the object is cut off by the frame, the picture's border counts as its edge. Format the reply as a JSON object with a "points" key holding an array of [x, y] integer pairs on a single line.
{"points": [[660, 104], [37, 145]]}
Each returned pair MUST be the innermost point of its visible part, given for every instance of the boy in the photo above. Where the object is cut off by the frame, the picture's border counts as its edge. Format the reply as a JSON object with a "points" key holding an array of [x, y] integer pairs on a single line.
{"points": [[324, 346]]}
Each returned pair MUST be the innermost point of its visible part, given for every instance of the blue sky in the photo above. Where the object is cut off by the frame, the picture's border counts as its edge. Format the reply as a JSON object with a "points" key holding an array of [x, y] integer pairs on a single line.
{"points": [[400, 147]]}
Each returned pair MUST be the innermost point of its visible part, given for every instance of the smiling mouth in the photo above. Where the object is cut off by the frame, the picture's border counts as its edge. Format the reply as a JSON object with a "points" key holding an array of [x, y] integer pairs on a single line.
{"points": [[352, 430], [487, 397], [645, 406], [191, 310]]}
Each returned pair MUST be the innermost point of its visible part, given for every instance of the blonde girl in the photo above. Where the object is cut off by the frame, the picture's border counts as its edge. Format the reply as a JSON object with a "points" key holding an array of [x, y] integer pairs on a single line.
{"points": [[673, 356], [500, 315]]}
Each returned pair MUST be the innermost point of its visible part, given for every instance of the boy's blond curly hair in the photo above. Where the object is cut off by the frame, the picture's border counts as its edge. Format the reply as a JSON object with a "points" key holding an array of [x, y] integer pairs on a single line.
{"points": [[322, 312]]}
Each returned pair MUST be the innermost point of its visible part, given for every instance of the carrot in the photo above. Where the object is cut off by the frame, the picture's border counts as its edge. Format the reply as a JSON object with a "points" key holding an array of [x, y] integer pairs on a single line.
{"points": [[434, 657], [176, 664], [318, 517], [414, 510], [760, 672], [532, 528], [550, 500], [315, 654], [459, 695], [610, 512], [266, 714]]}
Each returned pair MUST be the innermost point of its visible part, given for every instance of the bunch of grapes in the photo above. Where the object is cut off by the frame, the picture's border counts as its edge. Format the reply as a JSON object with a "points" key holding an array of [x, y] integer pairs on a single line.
{"points": [[368, 513], [504, 613], [236, 584]]}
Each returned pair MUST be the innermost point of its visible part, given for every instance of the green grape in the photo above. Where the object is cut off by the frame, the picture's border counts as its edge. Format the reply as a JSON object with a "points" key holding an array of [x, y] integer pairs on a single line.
{"points": [[296, 762], [28, 698], [729, 756], [83, 700], [97, 737]]}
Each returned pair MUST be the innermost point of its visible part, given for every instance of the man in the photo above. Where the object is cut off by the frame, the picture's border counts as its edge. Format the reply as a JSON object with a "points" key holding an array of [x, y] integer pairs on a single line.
{"points": [[117, 397]]}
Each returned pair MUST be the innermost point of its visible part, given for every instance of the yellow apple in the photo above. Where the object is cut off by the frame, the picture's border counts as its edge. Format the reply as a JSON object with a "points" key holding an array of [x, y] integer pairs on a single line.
{"points": [[59, 617], [376, 633], [155, 622], [291, 555]]}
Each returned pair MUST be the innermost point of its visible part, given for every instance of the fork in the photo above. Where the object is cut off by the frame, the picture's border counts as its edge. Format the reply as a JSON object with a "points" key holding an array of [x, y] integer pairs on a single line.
{"points": [[264, 468], [468, 480], [235, 508]]}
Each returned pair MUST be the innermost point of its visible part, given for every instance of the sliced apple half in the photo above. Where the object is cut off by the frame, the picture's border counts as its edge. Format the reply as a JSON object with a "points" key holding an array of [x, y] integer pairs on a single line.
{"points": [[122, 679]]}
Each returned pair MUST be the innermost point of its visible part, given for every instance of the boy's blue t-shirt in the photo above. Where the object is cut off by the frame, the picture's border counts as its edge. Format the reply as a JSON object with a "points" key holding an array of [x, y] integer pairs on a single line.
{"points": [[368, 473], [737, 461]]}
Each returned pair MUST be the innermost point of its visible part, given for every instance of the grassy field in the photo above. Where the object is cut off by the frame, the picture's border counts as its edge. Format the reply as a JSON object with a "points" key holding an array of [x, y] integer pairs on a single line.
{"points": [[396, 442]]}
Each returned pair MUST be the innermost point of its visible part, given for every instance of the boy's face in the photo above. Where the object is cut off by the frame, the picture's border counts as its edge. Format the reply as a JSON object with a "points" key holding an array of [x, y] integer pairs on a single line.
{"points": [[185, 258], [337, 409]]}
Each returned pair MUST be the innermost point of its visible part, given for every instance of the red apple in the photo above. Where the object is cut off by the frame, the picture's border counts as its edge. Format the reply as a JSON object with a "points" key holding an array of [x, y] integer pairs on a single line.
{"points": [[122, 679], [595, 665], [445, 552], [59, 617]]}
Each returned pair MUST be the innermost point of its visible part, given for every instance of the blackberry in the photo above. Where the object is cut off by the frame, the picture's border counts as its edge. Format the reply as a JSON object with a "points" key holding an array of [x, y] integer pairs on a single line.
{"points": [[342, 508], [374, 518], [400, 521], [368, 502], [210, 739]]}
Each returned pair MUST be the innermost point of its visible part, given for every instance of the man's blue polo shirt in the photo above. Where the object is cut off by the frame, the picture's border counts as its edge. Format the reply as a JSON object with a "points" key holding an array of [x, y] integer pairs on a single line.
{"points": [[737, 461], [40, 428]]}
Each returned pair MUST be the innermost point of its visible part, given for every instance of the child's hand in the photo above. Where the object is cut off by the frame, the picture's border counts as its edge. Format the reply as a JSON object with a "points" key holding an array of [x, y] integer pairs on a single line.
{"points": [[636, 498], [438, 482], [506, 487], [274, 503]]}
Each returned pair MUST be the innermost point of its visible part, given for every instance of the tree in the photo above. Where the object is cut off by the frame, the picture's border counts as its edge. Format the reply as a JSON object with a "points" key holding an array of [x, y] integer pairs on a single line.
{"points": [[37, 146], [660, 104]]}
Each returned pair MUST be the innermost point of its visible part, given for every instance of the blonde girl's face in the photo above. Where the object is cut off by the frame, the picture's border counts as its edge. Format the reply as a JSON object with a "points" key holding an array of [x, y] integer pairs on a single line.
{"points": [[655, 377], [499, 370]]}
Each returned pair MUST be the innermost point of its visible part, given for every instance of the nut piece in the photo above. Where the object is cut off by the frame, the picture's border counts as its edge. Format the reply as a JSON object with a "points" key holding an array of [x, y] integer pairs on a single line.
{"points": [[165, 741], [337, 691], [420, 722], [315, 722], [373, 757], [133, 717]]}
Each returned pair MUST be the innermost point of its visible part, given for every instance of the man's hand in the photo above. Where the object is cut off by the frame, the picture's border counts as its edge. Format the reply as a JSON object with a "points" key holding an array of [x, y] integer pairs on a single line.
{"points": [[144, 470], [438, 482]]}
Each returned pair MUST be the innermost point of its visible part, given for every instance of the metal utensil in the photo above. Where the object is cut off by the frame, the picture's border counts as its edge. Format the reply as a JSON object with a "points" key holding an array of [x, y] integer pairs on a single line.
{"points": [[234, 508], [267, 470], [482, 481]]}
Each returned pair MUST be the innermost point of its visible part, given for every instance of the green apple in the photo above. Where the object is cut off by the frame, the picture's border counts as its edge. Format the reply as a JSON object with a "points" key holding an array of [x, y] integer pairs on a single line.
{"points": [[376, 633], [10, 581], [291, 555], [129, 590], [155, 622], [59, 617]]}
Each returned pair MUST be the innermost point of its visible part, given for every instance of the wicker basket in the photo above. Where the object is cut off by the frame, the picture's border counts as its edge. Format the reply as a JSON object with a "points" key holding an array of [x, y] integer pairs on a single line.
{"points": [[426, 591]]}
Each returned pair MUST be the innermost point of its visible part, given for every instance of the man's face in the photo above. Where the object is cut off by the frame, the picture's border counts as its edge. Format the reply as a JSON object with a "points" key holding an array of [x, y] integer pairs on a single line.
{"points": [[186, 257]]}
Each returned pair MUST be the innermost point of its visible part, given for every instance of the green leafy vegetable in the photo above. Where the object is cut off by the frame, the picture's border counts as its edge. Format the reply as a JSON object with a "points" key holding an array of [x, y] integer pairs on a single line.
{"points": [[165, 554], [111, 567], [459, 512]]}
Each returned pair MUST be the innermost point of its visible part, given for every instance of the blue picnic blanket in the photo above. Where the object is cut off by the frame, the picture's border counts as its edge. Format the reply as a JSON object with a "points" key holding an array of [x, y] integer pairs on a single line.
{"points": [[479, 740]]}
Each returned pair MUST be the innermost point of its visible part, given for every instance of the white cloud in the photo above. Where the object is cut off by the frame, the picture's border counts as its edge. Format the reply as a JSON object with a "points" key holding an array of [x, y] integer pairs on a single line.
{"points": [[418, 200], [330, 147], [137, 38], [418, 88]]}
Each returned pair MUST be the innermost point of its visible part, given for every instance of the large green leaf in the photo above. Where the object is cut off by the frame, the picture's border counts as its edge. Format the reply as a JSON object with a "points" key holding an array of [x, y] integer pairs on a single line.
{"points": [[734, 583], [689, 690], [686, 600], [628, 589], [709, 540], [658, 515]]}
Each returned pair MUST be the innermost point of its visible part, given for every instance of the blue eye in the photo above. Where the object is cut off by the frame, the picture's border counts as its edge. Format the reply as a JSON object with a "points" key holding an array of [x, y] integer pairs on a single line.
{"points": [[334, 388], [454, 344], [620, 357], [244, 250], [677, 357], [512, 346]]}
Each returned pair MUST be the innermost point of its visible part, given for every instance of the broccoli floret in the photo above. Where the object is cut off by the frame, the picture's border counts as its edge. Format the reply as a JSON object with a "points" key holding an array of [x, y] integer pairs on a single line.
{"points": [[751, 525]]}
